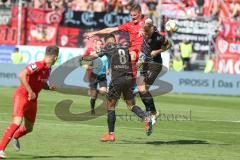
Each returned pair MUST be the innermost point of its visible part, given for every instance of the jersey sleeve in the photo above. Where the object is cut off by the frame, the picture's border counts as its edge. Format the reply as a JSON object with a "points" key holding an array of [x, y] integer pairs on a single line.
{"points": [[161, 39], [33, 68], [87, 52], [124, 27]]}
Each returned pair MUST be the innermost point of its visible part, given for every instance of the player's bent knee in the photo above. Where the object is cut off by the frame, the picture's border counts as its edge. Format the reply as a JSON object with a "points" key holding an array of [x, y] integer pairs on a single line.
{"points": [[102, 90], [130, 104], [133, 55], [143, 91], [17, 120], [30, 129]]}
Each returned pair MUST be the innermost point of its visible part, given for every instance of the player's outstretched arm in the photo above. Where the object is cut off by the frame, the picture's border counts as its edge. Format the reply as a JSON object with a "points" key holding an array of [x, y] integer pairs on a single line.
{"points": [[23, 80], [91, 57], [103, 31], [167, 45]]}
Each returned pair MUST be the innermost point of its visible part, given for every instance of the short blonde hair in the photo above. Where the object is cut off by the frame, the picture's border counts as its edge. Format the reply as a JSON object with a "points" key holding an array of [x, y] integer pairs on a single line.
{"points": [[148, 27]]}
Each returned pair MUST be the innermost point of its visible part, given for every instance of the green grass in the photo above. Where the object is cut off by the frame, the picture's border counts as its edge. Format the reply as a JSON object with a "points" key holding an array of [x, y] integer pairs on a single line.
{"points": [[212, 134]]}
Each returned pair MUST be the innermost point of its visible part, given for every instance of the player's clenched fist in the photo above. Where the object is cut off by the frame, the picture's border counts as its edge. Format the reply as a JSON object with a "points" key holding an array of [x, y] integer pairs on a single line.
{"points": [[53, 88], [31, 96]]}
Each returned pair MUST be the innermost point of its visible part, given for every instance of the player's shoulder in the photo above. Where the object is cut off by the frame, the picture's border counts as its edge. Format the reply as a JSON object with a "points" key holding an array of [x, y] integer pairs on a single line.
{"points": [[157, 35], [36, 65]]}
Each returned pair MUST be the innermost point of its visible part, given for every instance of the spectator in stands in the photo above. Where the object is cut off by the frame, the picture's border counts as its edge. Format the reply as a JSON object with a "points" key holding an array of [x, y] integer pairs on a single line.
{"points": [[119, 7], [70, 4], [40, 4], [56, 4], [16, 57], [177, 63], [5, 3], [215, 9], [199, 7], [235, 10], [185, 48], [153, 13], [126, 5], [78, 5], [182, 3], [90, 6], [110, 5], [209, 65], [145, 10], [187, 7], [98, 6]]}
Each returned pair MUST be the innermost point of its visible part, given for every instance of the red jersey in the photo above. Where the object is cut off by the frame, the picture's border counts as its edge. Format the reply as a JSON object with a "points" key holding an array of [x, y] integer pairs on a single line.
{"points": [[88, 52], [37, 75], [133, 31]]}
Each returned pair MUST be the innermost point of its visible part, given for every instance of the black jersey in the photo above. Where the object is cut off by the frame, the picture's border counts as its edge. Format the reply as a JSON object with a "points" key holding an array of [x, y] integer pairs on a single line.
{"points": [[155, 42], [119, 60]]}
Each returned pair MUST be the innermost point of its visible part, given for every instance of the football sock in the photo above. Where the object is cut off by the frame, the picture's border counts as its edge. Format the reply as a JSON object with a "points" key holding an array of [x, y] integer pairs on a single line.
{"points": [[147, 100], [20, 132], [139, 112], [92, 103], [134, 70], [111, 119], [8, 136]]}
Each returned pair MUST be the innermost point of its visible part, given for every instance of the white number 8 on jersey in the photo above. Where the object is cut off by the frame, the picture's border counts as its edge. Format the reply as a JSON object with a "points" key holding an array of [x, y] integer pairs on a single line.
{"points": [[122, 56]]}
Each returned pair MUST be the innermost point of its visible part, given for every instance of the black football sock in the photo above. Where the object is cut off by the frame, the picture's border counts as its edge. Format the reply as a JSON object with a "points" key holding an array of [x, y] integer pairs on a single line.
{"points": [[111, 119], [92, 103], [139, 112], [147, 100]]}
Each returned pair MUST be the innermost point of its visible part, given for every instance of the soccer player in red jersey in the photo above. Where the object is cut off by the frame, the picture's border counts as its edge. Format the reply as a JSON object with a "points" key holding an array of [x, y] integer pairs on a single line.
{"points": [[33, 79], [134, 30]]}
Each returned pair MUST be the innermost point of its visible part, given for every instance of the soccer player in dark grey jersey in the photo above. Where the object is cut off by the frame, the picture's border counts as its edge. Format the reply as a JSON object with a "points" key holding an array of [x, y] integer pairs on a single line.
{"points": [[151, 65], [121, 83]]}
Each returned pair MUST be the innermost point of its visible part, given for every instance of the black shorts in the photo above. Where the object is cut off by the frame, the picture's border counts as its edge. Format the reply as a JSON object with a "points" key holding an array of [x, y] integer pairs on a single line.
{"points": [[95, 80], [150, 71], [120, 86]]}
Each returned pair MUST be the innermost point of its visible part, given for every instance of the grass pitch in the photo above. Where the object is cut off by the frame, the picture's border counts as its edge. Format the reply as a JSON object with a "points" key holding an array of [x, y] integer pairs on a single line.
{"points": [[211, 131]]}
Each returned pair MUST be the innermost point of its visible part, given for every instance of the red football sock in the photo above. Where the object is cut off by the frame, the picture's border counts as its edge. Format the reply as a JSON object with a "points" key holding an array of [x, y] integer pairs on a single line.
{"points": [[20, 132], [134, 70], [8, 136]]}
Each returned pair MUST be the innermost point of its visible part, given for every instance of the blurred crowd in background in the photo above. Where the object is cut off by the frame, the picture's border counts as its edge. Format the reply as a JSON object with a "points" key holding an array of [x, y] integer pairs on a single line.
{"points": [[191, 7], [199, 13]]}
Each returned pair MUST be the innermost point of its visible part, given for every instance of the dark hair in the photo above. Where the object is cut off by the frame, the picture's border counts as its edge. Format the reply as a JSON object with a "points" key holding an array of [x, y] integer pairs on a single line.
{"points": [[136, 7], [108, 36], [52, 50]]}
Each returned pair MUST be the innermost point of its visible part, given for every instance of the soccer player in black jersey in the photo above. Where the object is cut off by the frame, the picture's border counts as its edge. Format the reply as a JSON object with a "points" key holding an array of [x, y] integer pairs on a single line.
{"points": [[151, 65], [121, 83]]}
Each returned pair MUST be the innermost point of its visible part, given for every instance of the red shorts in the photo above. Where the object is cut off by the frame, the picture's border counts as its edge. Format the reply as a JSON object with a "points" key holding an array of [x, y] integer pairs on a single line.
{"points": [[136, 50], [24, 108]]}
